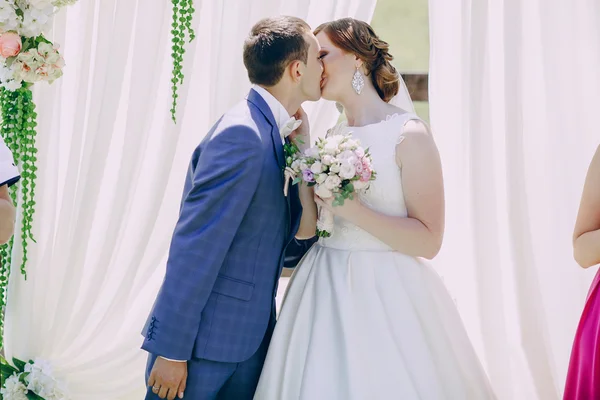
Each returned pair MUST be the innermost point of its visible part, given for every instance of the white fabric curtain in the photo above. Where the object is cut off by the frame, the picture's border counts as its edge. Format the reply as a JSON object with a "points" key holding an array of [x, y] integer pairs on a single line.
{"points": [[112, 167], [514, 95]]}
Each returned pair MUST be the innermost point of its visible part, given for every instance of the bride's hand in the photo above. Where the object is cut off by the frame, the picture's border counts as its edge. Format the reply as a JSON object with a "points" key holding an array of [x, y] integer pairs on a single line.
{"points": [[301, 136], [349, 209]]}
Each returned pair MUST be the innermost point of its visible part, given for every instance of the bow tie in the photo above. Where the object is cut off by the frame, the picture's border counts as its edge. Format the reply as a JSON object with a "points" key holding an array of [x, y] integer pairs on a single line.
{"points": [[290, 126]]}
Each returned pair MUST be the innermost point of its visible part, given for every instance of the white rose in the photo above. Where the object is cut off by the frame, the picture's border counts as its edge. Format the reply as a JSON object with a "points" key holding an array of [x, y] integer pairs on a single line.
{"points": [[360, 152], [332, 182], [330, 148], [320, 178], [296, 166], [332, 145], [328, 159], [323, 192], [347, 171], [347, 155], [348, 145], [312, 152], [335, 167], [317, 167]]}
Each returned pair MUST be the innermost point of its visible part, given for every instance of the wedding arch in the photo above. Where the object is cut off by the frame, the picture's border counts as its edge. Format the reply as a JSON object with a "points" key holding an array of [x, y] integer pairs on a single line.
{"points": [[513, 103]]}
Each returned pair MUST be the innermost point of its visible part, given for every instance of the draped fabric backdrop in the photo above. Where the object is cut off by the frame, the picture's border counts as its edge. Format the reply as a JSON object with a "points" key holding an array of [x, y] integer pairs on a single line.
{"points": [[514, 98], [112, 166], [515, 94]]}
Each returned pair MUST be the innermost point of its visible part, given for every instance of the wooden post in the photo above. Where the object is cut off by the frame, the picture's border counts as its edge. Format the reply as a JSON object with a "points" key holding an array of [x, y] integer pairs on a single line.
{"points": [[418, 86]]}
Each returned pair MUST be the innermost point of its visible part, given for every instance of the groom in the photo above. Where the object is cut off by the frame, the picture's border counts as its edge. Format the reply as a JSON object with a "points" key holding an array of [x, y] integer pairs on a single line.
{"points": [[208, 333]]}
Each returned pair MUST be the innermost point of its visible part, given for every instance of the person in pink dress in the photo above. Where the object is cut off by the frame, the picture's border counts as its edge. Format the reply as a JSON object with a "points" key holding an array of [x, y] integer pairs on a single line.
{"points": [[583, 377]]}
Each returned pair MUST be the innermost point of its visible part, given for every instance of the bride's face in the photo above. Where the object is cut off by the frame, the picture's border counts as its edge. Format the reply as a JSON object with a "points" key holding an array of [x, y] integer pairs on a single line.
{"points": [[338, 70]]}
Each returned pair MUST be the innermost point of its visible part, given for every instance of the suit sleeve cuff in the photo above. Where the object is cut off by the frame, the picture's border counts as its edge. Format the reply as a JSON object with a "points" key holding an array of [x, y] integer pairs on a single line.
{"points": [[168, 359]]}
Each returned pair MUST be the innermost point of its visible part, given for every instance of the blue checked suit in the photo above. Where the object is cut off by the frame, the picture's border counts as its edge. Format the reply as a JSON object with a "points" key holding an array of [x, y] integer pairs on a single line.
{"points": [[216, 304]]}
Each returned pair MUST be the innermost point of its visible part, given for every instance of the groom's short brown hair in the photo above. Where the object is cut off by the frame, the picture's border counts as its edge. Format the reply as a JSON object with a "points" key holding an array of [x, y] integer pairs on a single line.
{"points": [[272, 45]]}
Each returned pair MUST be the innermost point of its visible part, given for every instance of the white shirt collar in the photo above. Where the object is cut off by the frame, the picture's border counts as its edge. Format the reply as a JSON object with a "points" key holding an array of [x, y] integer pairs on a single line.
{"points": [[279, 112]]}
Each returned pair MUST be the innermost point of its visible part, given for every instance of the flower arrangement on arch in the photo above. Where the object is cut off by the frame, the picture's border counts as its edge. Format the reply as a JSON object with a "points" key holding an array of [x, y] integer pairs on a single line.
{"points": [[32, 380]]}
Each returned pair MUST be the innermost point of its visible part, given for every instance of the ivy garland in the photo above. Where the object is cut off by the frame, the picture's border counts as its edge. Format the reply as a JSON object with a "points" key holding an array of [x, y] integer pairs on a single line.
{"points": [[183, 11], [19, 133]]}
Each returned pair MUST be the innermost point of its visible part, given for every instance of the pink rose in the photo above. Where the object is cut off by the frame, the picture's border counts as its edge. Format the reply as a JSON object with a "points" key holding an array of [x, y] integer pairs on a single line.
{"points": [[359, 167], [366, 163], [366, 175], [10, 44]]}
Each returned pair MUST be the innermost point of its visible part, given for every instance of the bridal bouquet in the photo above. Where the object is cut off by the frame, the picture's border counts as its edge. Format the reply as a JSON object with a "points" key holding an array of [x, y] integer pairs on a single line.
{"points": [[29, 381], [337, 167]]}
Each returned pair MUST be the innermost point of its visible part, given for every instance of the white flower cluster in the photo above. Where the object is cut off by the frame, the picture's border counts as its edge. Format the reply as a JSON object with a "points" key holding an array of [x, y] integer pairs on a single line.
{"points": [[9, 20], [13, 389], [42, 382], [36, 16], [37, 378]]}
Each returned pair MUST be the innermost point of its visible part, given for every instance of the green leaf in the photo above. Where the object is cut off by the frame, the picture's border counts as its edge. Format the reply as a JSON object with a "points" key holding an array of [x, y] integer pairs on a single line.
{"points": [[19, 364], [324, 234], [22, 378], [349, 187], [7, 370], [32, 396], [311, 184], [296, 181]]}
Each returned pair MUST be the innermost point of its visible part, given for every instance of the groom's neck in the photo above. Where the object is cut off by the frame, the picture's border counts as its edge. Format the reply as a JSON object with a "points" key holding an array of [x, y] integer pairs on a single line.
{"points": [[287, 96]]}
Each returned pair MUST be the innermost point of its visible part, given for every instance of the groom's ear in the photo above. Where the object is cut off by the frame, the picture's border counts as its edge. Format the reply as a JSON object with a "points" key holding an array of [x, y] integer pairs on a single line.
{"points": [[295, 70]]}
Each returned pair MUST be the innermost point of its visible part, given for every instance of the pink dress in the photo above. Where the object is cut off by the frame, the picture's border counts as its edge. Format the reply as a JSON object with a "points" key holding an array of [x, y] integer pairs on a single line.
{"points": [[583, 378]]}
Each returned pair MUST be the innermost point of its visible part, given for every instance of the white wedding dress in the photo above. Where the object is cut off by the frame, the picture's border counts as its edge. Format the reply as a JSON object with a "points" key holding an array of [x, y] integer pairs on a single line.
{"points": [[360, 321]]}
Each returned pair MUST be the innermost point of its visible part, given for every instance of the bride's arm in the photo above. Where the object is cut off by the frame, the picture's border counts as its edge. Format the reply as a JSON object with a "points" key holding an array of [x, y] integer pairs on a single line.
{"points": [[420, 234], [308, 222], [586, 235]]}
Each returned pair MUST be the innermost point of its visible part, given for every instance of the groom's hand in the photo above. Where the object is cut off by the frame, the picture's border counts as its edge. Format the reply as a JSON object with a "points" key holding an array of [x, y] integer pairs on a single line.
{"points": [[301, 136], [168, 378]]}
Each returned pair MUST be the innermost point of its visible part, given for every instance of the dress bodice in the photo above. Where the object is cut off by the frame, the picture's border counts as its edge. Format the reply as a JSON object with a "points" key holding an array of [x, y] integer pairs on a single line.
{"points": [[385, 194]]}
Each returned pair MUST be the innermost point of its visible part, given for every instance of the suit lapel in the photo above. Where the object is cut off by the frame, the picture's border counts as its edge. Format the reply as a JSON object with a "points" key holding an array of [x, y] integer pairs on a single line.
{"points": [[294, 208], [261, 104]]}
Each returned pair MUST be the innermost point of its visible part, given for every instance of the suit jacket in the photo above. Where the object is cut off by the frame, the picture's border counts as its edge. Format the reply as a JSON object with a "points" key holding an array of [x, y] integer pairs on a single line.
{"points": [[228, 248]]}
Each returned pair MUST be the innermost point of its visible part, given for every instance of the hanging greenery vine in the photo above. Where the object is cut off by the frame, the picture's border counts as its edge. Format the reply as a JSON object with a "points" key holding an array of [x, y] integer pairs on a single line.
{"points": [[19, 133], [26, 57], [183, 12]]}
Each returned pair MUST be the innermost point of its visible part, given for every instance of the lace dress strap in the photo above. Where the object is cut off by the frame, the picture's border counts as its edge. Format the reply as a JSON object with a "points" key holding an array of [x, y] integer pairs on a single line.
{"points": [[404, 119]]}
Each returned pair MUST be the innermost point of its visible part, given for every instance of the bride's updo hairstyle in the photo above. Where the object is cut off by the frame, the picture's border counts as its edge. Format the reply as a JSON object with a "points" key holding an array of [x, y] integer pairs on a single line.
{"points": [[357, 37]]}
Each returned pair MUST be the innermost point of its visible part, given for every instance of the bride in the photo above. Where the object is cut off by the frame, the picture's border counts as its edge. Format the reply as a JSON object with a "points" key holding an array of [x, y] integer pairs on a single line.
{"points": [[364, 317]]}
